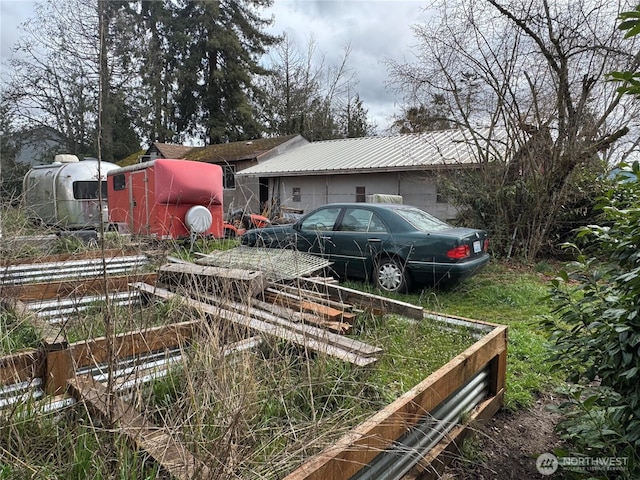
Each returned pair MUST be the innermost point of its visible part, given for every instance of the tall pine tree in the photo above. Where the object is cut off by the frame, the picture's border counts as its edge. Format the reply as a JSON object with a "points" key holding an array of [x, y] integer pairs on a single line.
{"points": [[220, 43]]}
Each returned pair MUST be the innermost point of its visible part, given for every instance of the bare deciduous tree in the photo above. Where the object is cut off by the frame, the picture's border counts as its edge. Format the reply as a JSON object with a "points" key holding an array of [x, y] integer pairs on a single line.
{"points": [[53, 79], [536, 71], [307, 97]]}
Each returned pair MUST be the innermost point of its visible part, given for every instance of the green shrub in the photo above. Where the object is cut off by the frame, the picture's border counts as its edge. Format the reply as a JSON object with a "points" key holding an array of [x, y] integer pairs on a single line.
{"points": [[596, 335]]}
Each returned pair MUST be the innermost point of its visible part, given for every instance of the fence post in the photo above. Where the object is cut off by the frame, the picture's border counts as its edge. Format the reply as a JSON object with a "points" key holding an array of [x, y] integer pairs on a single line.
{"points": [[498, 368], [58, 367]]}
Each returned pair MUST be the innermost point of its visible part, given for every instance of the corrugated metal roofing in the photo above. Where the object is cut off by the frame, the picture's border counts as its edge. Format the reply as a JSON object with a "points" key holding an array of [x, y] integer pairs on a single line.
{"points": [[399, 152]]}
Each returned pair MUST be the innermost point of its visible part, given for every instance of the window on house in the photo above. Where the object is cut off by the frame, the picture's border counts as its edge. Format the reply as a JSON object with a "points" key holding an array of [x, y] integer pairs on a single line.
{"points": [[229, 177], [361, 196], [119, 182], [296, 195]]}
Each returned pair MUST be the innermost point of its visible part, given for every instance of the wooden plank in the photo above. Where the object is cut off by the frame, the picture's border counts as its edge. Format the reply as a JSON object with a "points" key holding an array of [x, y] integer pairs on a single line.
{"points": [[360, 446], [161, 444], [350, 344], [281, 331], [59, 369], [498, 372], [231, 281], [78, 288], [297, 303], [94, 352], [365, 300], [307, 312], [319, 297], [296, 316], [89, 255], [21, 366]]}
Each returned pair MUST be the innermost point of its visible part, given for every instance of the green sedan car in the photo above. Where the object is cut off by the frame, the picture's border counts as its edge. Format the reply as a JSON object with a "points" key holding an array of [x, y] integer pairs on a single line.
{"points": [[396, 246]]}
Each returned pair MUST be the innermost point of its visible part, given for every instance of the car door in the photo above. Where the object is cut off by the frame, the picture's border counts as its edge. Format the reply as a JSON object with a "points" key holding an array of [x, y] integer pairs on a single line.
{"points": [[314, 233], [359, 238]]}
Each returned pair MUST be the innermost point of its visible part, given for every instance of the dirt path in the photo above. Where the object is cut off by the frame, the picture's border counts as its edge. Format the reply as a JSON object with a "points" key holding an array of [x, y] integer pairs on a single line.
{"points": [[506, 447]]}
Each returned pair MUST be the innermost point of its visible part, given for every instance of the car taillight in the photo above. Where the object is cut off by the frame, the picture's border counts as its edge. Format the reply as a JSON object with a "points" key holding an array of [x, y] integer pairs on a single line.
{"points": [[463, 251], [486, 244]]}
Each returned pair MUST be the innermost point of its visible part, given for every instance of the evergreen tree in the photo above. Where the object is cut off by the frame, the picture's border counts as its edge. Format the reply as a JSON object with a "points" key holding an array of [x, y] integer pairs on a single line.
{"points": [[219, 44], [158, 70]]}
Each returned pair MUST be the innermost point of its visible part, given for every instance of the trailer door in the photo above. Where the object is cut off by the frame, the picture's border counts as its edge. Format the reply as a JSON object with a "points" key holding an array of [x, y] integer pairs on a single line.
{"points": [[139, 202]]}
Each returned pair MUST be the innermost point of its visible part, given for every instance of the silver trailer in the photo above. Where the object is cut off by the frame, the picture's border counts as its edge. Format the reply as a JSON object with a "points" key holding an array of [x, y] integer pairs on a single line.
{"points": [[65, 193]]}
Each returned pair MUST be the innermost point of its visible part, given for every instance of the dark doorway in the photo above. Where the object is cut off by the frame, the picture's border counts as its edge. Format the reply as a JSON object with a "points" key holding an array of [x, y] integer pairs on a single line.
{"points": [[263, 182]]}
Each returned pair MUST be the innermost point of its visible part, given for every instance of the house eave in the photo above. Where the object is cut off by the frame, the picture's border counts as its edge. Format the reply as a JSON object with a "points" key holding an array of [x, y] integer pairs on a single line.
{"points": [[309, 173]]}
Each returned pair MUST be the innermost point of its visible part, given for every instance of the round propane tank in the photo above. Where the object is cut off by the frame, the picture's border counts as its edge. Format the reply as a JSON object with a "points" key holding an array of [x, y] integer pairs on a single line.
{"points": [[198, 219]]}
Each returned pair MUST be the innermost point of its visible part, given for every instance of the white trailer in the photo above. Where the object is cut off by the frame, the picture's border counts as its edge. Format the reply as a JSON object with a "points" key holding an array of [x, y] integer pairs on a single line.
{"points": [[66, 193]]}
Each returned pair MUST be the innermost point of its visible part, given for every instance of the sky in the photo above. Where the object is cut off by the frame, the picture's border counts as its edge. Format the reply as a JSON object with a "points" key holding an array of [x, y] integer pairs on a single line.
{"points": [[376, 30]]}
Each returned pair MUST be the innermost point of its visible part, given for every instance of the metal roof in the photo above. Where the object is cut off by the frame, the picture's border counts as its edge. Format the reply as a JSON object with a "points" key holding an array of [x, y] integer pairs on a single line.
{"points": [[399, 152]]}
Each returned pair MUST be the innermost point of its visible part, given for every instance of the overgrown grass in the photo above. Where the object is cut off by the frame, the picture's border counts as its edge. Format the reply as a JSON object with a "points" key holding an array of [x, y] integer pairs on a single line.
{"points": [[281, 404], [15, 333], [259, 414], [412, 350], [506, 294], [70, 446]]}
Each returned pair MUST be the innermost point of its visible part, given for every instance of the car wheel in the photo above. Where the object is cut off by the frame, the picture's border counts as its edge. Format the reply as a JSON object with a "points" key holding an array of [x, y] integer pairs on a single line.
{"points": [[391, 276]]}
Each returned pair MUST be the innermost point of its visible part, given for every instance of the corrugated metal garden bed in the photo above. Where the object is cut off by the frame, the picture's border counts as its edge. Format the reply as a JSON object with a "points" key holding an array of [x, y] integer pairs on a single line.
{"points": [[416, 418]]}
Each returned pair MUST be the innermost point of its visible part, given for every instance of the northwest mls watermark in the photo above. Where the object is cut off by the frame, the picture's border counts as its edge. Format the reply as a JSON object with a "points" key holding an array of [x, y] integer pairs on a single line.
{"points": [[548, 464]]}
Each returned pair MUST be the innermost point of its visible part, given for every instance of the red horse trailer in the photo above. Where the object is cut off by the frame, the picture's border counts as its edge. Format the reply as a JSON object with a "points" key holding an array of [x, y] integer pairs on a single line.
{"points": [[167, 199]]}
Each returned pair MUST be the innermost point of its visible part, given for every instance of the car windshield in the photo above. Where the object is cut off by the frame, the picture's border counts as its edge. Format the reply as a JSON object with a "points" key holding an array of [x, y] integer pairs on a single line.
{"points": [[421, 220]]}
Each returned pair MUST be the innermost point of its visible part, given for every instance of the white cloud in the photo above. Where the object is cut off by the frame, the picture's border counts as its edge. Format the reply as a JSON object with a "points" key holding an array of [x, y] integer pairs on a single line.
{"points": [[375, 30]]}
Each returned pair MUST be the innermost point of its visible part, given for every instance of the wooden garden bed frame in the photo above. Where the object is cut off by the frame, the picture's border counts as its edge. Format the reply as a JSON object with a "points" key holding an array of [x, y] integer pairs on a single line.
{"points": [[54, 362]]}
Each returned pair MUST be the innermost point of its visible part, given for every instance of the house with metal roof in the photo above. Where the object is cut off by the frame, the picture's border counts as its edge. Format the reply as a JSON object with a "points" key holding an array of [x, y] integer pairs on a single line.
{"points": [[356, 169]]}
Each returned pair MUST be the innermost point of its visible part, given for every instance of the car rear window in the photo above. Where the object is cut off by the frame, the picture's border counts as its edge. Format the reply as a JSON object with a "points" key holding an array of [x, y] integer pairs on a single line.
{"points": [[421, 220]]}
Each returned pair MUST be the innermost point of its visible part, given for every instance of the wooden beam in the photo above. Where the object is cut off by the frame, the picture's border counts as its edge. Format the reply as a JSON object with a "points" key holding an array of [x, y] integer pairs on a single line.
{"points": [[365, 300], [229, 281], [278, 330], [350, 344], [322, 298], [303, 305], [161, 444], [59, 369], [21, 367], [361, 445], [89, 255], [78, 288], [94, 352], [297, 316]]}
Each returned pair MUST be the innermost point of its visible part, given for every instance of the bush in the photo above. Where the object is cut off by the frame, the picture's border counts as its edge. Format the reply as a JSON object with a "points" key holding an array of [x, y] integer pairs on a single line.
{"points": [[597, 333]]}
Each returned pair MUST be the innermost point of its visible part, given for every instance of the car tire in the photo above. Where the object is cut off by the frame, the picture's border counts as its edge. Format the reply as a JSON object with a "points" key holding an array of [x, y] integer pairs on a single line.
{"points": [[391, 276]]}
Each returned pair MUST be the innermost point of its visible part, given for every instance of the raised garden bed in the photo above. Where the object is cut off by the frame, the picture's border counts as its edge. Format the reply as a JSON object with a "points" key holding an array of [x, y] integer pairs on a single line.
{"points": [[273, 408]]}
